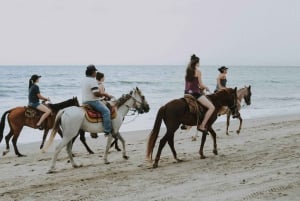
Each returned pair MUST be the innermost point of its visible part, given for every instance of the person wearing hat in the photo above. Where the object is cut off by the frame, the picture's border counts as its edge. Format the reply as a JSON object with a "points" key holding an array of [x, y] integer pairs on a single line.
{"points": [[91, 95], [221, 79], [34, 99]]}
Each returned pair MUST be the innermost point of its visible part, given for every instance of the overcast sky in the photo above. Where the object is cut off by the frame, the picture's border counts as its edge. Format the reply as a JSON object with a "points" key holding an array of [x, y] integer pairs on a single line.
{"points": [[221, 32]]}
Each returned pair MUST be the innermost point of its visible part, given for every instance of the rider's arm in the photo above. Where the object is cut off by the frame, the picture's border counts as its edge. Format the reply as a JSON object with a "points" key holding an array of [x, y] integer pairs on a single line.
{"points": [[201, 85], [42, 97]]}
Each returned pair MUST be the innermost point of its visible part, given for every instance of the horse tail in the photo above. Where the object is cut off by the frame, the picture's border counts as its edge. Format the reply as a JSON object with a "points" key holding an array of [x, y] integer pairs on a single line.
{"points": [[2, 124], [154, 133], [54, 131]]}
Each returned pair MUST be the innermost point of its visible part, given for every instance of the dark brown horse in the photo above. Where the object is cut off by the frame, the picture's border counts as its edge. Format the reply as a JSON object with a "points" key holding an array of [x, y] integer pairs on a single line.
{"points": [[17, 119], [176, 112]]}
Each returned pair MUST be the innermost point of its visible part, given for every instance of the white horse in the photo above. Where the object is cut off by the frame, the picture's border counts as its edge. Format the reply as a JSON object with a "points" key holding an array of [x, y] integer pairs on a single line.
{"points": [[73, 119]]}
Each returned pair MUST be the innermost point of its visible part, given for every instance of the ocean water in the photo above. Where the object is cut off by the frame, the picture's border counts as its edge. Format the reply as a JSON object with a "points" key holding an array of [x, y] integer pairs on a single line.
{"points": [[275, 90]]}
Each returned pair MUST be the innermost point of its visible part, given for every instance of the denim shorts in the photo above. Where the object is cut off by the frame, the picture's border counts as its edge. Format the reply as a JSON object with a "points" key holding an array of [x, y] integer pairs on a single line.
{"points": [[34, 105]]}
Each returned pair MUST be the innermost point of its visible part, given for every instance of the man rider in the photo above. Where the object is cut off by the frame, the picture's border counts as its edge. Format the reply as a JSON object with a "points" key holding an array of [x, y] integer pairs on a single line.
{"points": [[91, 94]]}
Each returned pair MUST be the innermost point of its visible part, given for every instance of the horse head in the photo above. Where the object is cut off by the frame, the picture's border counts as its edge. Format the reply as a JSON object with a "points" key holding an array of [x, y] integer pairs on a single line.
{"points": [[247, 96], [140, 103]]}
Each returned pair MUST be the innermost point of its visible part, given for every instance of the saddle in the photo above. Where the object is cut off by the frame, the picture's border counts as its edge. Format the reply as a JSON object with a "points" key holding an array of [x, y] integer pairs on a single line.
{"points": [[194, 106], [94, 116], [32, 113]]}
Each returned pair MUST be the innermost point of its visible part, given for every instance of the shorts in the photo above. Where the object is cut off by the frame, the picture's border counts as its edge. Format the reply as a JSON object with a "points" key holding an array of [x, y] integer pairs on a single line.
{"points": [[34, 105], [196, 95]]}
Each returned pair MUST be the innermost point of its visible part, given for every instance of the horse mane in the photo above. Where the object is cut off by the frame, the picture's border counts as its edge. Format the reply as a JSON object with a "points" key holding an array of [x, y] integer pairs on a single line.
{"points": [[123, 99], [58, 106]]}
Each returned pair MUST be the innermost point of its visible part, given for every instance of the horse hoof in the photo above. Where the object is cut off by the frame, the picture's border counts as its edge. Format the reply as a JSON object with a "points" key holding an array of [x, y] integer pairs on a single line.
{"points": [[106, 162], [202, 157], [155, 165], [5, 152], [194, 138], [21, 155], [126, 157], [215, 152], [237, 132], [51, 171], [118, 149]]}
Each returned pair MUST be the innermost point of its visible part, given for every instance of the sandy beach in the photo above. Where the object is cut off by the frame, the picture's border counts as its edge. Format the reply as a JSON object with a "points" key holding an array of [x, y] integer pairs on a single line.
{"points": [[262, 163]]}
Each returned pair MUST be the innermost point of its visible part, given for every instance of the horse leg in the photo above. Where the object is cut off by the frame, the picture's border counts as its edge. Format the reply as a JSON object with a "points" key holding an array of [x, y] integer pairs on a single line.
{"points": [[162, 143], [240, 127], [115, 143], [69, 151], [44, 137], [171, 144], [119, 136], [109, 139], [83, 140], [227, 122], [7, 138], [214, 137], [58, 149], [203, 139], [14, 141]]}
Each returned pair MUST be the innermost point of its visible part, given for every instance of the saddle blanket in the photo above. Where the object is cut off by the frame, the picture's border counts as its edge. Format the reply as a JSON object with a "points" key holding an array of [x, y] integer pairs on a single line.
{"points": [[94, 117]]}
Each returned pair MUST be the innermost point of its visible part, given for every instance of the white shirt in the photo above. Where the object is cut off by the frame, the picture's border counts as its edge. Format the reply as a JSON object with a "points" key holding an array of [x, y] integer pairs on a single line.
{"points": [[89, 85]]}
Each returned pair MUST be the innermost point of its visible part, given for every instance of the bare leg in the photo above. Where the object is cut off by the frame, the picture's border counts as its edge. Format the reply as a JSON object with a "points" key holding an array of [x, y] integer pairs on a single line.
{"points": [[46, 111], [210, 109]]}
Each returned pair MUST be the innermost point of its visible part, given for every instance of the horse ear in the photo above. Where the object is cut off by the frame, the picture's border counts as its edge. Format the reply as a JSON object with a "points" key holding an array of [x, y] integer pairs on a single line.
{"points": [[137, 89], [249, 87]]}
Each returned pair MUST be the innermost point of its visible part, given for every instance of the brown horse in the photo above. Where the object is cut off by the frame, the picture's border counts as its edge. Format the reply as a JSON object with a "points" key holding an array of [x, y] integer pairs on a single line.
{"points": [[243, 93], [17, 119], [177, 112]]}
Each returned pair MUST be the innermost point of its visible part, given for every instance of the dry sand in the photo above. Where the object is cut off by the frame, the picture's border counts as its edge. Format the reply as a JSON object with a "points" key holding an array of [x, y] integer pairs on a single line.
{"points": [[262, 163]]}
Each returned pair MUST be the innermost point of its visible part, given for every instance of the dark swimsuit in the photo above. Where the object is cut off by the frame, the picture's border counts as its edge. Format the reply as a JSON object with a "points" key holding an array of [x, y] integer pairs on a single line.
{"points": [[223, 84], [192, 88]]}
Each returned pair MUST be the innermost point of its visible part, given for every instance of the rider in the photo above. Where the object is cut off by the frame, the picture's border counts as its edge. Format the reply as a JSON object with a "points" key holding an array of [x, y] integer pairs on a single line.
{"points": [[34, 97], [221, 79], [100, 79], [193, 83], [90, 96]]}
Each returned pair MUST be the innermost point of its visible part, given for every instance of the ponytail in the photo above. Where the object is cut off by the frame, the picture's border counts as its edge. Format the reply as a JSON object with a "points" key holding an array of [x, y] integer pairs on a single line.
{"points": [[30, 83]]}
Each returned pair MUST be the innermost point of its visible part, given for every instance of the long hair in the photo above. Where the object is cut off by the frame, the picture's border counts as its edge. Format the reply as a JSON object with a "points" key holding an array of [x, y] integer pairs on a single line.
{"points": [[190, 70]]}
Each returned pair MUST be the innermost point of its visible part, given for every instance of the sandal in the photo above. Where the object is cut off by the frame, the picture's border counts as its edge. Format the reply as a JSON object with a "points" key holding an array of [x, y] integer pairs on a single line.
{"points": [[40, 127], [203, 131]]}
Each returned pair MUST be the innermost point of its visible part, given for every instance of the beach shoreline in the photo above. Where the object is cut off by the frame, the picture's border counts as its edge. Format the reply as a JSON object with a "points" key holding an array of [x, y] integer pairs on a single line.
{"points": [[262, 163]]}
